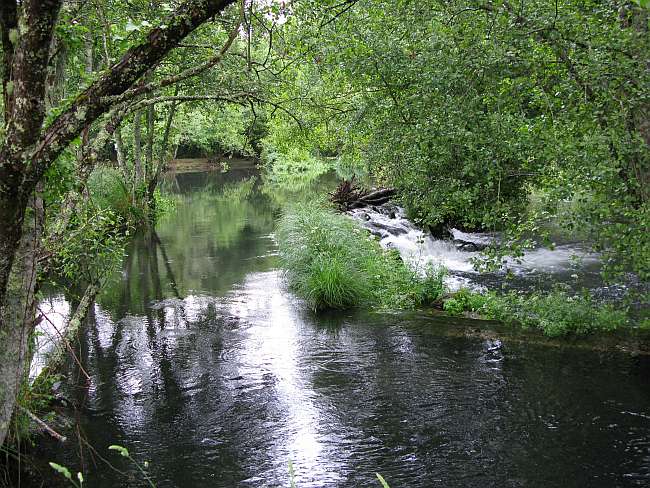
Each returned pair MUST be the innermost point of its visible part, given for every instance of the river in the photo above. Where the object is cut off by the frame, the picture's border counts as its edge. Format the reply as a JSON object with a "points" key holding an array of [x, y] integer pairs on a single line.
{"points": [[203, 364]]}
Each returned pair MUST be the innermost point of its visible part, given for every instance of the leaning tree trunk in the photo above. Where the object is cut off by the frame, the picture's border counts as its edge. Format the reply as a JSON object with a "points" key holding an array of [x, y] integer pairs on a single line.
{"points": [[18, 315]]}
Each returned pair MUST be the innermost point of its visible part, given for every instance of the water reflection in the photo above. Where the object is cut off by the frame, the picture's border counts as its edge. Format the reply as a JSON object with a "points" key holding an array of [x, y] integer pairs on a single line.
{"points": [[202, 363]]}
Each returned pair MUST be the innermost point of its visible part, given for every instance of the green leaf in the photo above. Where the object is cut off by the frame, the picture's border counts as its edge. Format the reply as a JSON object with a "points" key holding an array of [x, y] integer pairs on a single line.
{"points": [[122, 450], [382, 481], [61, 469]]}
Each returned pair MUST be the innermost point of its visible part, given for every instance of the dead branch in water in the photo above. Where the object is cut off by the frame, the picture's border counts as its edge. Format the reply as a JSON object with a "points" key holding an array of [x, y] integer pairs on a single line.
{"points": [[349, 195]]}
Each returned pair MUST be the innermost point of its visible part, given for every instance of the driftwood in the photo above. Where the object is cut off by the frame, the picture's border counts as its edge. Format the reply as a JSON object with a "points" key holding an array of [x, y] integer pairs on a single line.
{"points": [[44, 426], [348, 195]]}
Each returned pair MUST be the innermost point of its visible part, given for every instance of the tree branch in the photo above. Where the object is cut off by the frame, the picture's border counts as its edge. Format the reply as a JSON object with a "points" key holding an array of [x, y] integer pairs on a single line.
{"points": [[97, 98], [188, 73]]}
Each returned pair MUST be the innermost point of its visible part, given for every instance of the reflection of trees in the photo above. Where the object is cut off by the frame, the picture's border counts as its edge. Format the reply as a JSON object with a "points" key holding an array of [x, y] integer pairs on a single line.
{"points": [[152, 378], [215, 235]]}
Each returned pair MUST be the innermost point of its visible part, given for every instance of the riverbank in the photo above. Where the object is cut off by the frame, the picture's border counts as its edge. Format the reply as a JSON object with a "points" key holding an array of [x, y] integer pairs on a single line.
{"points": [[198, 165], [376, 258]]}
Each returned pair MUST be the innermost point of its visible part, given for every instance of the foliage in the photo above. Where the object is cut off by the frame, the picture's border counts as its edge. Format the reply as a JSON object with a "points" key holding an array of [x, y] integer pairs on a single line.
{"points": [[163, 204], [383, 482], [122, 451], [335, 264], [296, 166], [91, 247], [556, 313], [209, 130], [109, 192], [36, 398], [469, 107], [65, 472], [465, 300]]}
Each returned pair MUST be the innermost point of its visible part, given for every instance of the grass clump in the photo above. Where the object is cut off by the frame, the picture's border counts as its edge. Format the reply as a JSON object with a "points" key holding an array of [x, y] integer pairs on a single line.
{"points": [[556, 313], [108, 192], [335, 264]]}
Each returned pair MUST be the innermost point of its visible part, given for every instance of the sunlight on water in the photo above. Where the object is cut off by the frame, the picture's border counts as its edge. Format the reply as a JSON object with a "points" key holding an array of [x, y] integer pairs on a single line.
{"points": [[202, 363], [47, 338]]}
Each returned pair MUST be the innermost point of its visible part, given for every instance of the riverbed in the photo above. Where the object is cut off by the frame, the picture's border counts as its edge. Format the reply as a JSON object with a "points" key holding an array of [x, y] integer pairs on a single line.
{"points": [[203, 364]]}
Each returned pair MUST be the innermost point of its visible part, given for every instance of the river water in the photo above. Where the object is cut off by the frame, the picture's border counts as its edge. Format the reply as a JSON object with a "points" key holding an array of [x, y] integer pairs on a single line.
{"points": [[201, 363]]}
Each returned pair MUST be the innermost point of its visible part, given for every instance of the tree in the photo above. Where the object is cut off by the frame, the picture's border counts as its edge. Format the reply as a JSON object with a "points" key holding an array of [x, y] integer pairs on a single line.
{"points": [[30, 145], [475, 110]]}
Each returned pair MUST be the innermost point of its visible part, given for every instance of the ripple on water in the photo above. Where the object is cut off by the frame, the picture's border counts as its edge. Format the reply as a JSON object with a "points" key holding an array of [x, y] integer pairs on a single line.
{"points": [[227, 384]]}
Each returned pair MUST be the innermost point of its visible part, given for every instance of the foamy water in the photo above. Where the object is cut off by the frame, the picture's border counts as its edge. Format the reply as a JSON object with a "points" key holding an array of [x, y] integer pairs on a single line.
{"points": [[420, 250]]}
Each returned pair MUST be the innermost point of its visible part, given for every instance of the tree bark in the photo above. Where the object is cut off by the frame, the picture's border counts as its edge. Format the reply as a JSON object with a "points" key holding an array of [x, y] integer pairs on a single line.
{"points": [[18, 315], [8, 22], [137, 150], [148, 166], [121, 156]]}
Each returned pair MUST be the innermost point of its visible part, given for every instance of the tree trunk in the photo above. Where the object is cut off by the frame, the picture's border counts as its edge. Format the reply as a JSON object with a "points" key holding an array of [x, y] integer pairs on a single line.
{"points": [[151, 117], [17, 315], [137, 150], [121, 155], [162, 158]]}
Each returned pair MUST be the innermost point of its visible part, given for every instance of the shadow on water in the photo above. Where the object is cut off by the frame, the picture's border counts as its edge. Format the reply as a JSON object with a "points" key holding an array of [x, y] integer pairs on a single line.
{"points": [[201, 362]]}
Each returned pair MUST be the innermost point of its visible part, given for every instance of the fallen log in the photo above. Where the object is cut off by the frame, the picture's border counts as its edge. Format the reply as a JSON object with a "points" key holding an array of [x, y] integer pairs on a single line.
{"points": [[348, 196], [382, 193], [375, 201]]}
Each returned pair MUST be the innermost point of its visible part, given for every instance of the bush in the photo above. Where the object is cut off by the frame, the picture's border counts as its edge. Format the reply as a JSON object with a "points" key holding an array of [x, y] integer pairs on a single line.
{"points": [[556, 313], [465, 300], [335, 264], [559, 314]]}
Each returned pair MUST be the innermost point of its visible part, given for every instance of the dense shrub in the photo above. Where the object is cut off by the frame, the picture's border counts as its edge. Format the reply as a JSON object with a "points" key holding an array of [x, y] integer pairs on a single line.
{"points": [[556, 313], [108, 191], [335, 264]]}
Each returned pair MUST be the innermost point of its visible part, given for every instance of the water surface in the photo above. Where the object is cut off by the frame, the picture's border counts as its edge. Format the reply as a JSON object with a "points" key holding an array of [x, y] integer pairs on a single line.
{"points": [[203, 364]]}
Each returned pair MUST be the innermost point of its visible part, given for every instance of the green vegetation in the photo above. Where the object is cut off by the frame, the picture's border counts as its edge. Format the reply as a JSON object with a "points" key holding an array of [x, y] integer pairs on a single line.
{"points": [[527, 117], [78, 480], [469, 108], [335, 264], [556, 313]]}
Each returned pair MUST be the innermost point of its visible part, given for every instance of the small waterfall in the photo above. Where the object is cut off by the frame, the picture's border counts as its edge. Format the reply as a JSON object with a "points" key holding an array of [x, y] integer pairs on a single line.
{"points": [[420, 250]]}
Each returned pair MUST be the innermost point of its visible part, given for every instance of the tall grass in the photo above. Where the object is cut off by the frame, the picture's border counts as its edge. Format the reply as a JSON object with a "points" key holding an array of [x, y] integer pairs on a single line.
{"points": [[335, 264]]}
